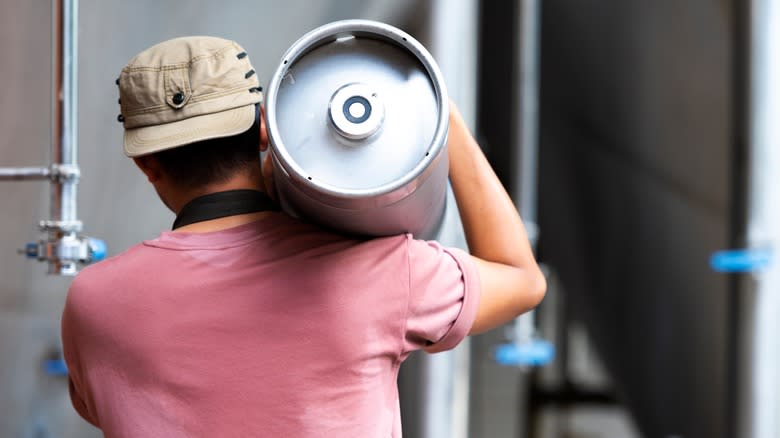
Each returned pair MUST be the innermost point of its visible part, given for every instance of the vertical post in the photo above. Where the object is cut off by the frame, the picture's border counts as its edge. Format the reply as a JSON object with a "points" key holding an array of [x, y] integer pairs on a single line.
{"points": [[761, 363], [64, 223], [69, 106], [526, 104], [525, 137], [57, 100]]}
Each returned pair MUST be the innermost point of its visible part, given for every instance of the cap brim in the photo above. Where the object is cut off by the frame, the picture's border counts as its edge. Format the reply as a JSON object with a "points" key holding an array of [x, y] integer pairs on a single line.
{"points": [[150, 139]]}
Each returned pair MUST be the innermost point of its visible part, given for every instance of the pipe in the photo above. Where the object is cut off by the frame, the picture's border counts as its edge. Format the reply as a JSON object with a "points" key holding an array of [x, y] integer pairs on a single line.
{"points": [[525, 139], [64, 146], [527, 107], [760, 360], [64, 223], [24, 173]]}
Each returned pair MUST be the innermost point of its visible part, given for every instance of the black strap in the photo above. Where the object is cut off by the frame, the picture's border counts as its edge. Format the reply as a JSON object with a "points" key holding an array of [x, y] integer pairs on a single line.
{"points": [[222, 204]]}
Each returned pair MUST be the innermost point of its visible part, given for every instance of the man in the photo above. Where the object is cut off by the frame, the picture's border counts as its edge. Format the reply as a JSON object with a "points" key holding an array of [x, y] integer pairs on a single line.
{"points": [[245, 322]]}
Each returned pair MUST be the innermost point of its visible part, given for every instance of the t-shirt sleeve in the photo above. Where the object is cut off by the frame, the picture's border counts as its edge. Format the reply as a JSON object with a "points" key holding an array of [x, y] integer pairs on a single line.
{"points": [[443, 296], [70, 337]]}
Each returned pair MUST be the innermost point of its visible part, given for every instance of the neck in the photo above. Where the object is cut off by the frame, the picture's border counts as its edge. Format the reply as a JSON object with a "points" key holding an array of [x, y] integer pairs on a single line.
{"points": [[222, 223], [236, 183]]}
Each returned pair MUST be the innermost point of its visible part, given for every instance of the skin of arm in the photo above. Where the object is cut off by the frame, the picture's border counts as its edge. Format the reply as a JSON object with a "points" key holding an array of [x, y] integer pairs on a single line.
{"points": [[510, 279]]}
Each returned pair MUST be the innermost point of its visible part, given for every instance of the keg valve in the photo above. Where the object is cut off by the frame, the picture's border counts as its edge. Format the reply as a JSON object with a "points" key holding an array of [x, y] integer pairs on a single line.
{"points": [[356, 111]]}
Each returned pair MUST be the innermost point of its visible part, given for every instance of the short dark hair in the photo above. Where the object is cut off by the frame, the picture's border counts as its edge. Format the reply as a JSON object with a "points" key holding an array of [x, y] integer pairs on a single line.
{"points": [[212, 161]]}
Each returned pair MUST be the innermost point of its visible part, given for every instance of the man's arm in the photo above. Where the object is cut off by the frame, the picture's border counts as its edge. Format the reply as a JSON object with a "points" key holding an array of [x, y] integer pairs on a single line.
{"points": [[511, 282]]}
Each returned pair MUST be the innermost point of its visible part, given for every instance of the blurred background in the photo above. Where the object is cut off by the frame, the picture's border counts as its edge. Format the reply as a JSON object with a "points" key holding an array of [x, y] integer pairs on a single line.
{"points": [[637, 138]]}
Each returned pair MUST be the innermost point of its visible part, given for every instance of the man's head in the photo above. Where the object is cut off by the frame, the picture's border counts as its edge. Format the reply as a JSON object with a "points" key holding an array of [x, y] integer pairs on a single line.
{"points": [[190, 109]]}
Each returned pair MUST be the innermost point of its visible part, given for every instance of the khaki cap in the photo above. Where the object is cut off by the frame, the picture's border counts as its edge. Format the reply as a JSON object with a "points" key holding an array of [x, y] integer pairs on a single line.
{"points": [[186, 90]]}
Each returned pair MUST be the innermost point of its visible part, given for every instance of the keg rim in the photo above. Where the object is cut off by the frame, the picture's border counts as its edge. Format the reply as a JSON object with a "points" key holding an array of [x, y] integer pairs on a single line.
{"points": [[367, 29]]}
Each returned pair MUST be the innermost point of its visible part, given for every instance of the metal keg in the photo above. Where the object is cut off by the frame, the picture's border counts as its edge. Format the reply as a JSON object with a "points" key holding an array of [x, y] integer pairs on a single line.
{"points": [[357, 117]]}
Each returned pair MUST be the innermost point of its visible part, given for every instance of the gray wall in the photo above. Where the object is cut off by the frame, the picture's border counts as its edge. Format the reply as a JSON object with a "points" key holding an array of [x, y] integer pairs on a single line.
{"points": [[636, 171], [115, 203]]}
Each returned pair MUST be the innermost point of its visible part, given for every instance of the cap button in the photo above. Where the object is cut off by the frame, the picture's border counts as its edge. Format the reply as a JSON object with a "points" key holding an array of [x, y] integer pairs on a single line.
{"points": [[178, 98]]}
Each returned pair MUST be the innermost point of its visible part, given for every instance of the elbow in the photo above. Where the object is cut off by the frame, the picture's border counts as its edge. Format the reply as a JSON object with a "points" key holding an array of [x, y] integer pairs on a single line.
{"points": [[538, 287], [535, 287]]}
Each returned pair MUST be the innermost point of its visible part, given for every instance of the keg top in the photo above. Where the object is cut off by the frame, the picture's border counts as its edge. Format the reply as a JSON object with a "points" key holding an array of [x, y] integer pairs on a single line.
{"points": [[355, 108]]}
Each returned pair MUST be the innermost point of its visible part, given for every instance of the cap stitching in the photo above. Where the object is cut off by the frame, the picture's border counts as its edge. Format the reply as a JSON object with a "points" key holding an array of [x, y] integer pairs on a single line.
{"points": [[192, 101], [219, 53], [179, 65]]}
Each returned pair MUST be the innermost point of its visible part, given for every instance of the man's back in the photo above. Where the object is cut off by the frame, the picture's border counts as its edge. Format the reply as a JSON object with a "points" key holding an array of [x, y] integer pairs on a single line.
{"points": [[233, 326], [273, 328]]}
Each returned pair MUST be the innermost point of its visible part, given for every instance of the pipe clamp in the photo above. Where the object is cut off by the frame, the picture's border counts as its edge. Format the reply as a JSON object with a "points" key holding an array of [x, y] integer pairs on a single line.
{"points": [[63, 173]]}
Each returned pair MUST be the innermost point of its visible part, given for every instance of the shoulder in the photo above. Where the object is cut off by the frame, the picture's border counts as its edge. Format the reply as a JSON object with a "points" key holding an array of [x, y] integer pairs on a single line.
{"points": [[96, 296], [100, 269], [96, 277], [421, 258], [432, 254]]}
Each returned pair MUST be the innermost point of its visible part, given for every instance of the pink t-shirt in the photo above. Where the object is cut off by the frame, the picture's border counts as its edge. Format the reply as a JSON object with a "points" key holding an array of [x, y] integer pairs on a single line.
{"points": [[275, 328]]}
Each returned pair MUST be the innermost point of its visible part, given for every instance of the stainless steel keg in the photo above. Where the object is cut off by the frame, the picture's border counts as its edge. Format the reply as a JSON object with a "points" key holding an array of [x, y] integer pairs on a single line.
{"points": [[357, 116]]}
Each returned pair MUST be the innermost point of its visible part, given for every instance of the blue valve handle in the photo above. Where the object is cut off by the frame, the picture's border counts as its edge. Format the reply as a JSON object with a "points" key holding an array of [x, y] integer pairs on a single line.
{"points": [[31, 250], [741, 260], [536, 352], [55, 367], [97, 249]]}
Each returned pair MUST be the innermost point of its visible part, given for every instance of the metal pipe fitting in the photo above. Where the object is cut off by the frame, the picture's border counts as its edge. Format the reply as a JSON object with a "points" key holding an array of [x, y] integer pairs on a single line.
{"points": [[24, 173], [57, 173]]}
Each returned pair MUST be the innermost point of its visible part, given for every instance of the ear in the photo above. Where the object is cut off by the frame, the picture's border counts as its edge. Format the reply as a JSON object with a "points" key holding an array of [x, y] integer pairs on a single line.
{"points": [[263, 132], [150, 166]]}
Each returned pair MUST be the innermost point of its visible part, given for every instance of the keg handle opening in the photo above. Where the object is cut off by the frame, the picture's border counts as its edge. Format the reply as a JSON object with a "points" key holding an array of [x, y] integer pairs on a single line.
{"points": [[356, 112]]}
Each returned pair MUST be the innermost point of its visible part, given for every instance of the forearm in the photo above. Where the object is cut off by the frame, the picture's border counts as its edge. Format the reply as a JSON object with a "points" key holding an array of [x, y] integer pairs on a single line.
{"points": [[493, 228], [510, 280]]}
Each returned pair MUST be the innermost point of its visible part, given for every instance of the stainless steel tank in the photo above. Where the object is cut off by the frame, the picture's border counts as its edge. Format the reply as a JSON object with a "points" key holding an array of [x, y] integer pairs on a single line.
{"points": [[357, 116]]}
